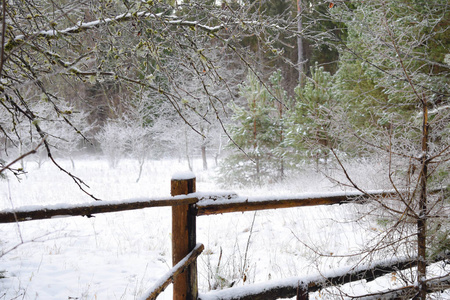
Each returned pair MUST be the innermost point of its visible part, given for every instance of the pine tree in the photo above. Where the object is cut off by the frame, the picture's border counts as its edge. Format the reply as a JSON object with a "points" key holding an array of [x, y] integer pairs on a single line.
{"points": [[256, 130], [308, 124]]}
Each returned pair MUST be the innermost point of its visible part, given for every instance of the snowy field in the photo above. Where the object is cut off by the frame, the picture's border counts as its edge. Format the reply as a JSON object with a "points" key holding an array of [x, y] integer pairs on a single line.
{"points": [[121, 255]]}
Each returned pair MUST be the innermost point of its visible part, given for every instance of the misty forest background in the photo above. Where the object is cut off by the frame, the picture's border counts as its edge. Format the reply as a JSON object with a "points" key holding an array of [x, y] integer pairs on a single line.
{"points": [[261, 88]]}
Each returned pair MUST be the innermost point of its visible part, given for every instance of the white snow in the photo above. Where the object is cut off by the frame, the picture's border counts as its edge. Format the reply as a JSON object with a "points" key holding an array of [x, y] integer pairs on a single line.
{"points": [[186, 175], [255, 288], [27, 208], [294, 282], [236, 199], [121, 255]]}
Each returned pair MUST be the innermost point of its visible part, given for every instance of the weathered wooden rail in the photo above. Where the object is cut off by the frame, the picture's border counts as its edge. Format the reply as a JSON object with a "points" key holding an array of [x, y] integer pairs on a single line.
{"points": [[186, 206], [35, 212]]}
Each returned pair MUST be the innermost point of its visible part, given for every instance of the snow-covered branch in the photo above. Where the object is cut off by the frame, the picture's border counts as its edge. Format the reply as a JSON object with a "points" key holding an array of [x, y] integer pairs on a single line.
{"points": [[83, 27], [80, 27]]}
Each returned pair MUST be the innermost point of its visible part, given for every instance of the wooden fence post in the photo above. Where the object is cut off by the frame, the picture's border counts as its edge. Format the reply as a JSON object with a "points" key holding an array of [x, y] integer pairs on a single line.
{"points": [[185, 286], [302, 293]]}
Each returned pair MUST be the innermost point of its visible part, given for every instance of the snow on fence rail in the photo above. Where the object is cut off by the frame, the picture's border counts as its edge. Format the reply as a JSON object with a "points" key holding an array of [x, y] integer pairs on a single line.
{"points": [[39, 212], [233, 203], [291, 287], [186, 206], [204, 204]]}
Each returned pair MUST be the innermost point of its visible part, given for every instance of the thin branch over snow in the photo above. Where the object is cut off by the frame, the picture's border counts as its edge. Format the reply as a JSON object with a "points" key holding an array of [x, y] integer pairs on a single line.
{"points": [[33, 151], [437, 284]]}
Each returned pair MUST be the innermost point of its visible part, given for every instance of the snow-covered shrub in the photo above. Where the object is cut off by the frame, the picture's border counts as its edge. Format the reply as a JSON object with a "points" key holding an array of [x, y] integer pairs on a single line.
{"points": [[112, 139]]}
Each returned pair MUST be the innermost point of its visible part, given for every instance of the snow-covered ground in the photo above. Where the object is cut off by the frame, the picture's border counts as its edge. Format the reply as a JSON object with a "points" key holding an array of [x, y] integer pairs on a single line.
{"points": [[121, 255]]}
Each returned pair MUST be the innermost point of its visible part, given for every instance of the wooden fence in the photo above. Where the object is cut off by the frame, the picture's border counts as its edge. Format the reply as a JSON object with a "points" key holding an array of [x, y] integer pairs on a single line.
{"points": [[186, 206]]}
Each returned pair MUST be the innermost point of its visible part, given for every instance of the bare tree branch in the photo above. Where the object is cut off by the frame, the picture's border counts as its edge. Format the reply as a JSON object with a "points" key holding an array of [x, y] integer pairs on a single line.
{"points": [[33, 151]]}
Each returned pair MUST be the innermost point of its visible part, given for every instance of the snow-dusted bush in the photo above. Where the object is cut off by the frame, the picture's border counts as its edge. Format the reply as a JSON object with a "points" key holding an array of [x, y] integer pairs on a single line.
{"points": [[112, 139]]}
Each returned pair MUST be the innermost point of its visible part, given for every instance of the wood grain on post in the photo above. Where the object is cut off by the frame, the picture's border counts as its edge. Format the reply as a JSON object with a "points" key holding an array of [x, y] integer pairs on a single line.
{"points": [[185, 286]]}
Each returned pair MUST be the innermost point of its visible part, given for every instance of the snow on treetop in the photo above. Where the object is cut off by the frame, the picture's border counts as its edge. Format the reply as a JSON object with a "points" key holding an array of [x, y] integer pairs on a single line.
{"points": [[183, 175]]}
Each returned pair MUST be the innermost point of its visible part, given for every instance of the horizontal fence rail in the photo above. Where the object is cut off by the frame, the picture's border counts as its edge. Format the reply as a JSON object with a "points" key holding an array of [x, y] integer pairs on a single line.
{"points": [[227, 204], [288, 288], [37, 212], [205, 204]]}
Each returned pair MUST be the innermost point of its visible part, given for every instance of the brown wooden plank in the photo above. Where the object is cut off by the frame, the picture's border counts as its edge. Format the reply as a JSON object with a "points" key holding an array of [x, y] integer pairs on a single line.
{"points": [[184, 240], [47, 212], [269, 291], [242, 206], [174, 272], [208, 207]]}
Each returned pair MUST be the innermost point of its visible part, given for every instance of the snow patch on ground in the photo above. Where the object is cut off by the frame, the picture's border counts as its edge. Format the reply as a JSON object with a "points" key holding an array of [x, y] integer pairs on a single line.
{"points": [[121, 255]]}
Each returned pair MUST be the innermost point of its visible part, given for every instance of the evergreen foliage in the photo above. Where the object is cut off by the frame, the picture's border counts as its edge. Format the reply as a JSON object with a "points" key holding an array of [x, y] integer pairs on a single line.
{"points": [[308, 120], [391, 95], [256, 129]]}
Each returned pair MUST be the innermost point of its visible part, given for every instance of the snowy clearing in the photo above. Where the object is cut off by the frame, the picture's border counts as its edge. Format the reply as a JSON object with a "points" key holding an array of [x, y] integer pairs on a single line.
{"points": [[121, 255]]}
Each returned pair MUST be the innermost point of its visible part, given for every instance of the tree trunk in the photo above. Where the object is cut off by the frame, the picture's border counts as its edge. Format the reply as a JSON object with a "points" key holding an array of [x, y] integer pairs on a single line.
{"points": [[188, 158], [205, 162], [280, 118], [422, 220], [141, 161], [300, 59]]}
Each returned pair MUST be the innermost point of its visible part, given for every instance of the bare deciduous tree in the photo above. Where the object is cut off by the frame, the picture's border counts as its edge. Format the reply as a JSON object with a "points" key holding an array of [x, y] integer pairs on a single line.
{"points": [[52, 47]]}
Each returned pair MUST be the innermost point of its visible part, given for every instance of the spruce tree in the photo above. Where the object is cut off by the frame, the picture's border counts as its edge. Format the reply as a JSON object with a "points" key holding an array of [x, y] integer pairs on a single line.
{"points": [[308, 120], [256, 130]]}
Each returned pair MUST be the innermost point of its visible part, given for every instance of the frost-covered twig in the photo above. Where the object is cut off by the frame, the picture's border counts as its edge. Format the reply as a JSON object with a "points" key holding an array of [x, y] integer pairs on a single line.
{"points": [[33, 151], [436, 284]]}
